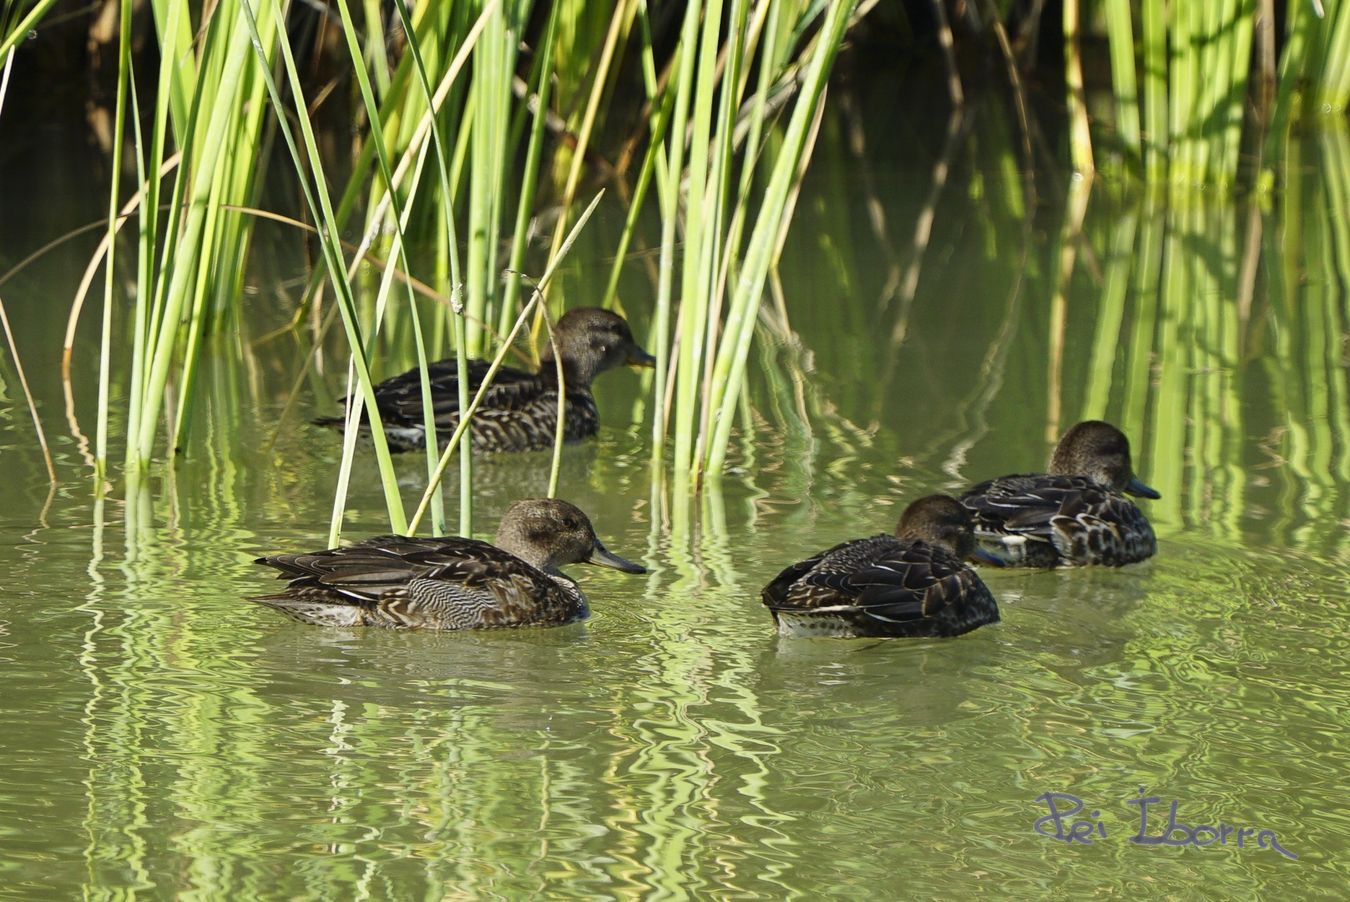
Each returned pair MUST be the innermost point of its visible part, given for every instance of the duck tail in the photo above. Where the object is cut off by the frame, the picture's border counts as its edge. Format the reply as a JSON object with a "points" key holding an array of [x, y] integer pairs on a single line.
{"points": [[308, 610]]}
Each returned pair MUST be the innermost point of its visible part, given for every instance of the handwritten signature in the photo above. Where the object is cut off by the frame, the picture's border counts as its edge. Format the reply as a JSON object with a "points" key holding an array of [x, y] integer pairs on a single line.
{"points": [[1063, 806]]}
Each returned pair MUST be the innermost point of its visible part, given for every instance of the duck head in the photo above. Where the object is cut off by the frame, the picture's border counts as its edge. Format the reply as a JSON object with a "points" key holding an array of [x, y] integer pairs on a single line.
{"points": [[941, 521], [590, 341], [548, 534], [1100, 451]]}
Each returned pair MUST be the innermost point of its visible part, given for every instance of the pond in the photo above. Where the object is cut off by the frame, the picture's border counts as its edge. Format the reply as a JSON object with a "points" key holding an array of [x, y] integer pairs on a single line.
{"points": [[162, 735]]}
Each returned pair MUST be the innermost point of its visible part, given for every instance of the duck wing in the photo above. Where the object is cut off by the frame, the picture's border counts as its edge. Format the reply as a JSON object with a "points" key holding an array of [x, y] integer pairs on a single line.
{"points": [[918, 582], [777, 594], [880, 586], [400, 398], [1111, 532], [1013, 514], [880, 572], [1048, 521]]}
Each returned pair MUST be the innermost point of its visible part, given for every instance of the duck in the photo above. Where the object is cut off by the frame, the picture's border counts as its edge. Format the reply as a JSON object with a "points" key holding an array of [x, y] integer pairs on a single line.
{"points": [[1075, 515], [915, 583], [519, 412], [450, 582]]}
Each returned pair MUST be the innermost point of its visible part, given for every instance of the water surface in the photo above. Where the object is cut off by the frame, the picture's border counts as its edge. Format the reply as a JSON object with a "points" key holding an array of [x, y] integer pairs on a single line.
{"points": [[159, 734]]}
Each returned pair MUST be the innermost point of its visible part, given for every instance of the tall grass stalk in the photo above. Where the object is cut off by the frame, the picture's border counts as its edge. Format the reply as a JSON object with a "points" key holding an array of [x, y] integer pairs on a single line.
{"points": [[5, 68], [1153, 23], [699, 113], [399, 224], [462, 329], [125, 83], [1195, 62], [620, 23], [723, 267], [421, 127], [653, 164], [669, 185], [321, 207], [1120, 26], [1080, 137], [12, 35], [538, 105], [490, 162], [27, 392], [699, 82], [1334, 95]]}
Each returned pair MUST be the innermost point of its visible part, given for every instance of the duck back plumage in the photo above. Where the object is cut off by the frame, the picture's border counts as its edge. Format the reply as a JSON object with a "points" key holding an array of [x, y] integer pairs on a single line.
{"points": [[879, 586], [519, 411], [1046, 520]]}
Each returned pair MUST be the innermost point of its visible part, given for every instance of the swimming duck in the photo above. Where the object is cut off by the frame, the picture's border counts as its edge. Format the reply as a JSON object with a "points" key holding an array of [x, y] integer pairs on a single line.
{"points": [[450, 583], [520, 410], [1074, 515], [914, 583]]}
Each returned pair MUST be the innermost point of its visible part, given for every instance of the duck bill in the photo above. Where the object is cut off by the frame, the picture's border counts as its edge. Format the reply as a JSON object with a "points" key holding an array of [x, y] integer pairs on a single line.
{"points": [[639, 357], [606, 558], [1137, 488]]}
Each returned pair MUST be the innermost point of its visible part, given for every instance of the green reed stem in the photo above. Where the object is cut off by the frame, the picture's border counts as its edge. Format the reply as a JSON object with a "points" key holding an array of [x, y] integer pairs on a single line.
{"points": [[21, 28], [124, 84], [1334, 88], [1153, 24], [696, 277], [670, 189], [729, 371], [1120, 31], [399, 241], [543, 87], [466, 417], [1241, 66], [653, 164], [321, 208], [1080, 137], [620, 22], [460, 327]]}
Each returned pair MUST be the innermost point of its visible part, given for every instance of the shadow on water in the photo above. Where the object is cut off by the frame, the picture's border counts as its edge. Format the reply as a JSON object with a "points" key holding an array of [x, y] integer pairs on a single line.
{"points": [[161, 734]]}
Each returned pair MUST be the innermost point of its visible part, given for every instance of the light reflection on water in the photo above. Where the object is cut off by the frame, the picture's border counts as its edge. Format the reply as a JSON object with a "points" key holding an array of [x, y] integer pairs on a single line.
{"points": [[160, 733], [169, 735]]}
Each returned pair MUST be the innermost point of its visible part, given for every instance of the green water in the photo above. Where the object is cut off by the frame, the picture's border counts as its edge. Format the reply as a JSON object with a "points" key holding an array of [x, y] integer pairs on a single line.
{"points": [[161, 737]]}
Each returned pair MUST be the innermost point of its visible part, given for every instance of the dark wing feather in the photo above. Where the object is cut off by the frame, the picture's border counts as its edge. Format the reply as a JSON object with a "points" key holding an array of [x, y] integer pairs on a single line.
{"points": [[400, 398], [883, 586], [1112, 533], [371, 567], [775, 594], [826, 579], [1025, 504], [899, 588], [881, 571]]}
